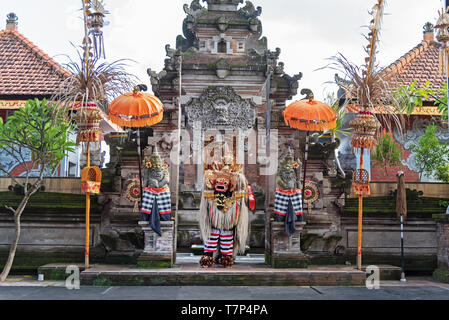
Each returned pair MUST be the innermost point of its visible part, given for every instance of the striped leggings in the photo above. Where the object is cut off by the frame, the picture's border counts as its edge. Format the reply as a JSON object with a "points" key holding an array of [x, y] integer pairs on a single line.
{"points": [[226, 239]]}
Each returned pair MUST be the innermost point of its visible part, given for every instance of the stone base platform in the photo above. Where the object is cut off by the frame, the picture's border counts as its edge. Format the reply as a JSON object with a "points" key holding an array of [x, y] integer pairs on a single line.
{"points": [[57, 271], [191, 274], [388, 272]]}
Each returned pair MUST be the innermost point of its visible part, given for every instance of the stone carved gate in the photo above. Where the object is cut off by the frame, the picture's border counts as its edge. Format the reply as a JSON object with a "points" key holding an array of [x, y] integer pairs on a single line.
{"points": [[219, 115]]}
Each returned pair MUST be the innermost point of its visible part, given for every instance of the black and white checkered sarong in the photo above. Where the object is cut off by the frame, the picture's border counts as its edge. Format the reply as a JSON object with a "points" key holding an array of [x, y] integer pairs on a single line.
{"points": [[282, 198], [163, 198]]}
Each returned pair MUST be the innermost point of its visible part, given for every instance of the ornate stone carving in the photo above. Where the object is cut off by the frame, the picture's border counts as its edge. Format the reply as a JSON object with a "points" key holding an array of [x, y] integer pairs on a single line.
{"points": [[223, 68], [273, 57], [194, 10], [250, 11], [155, 78], [221, 108], [289, 173], [223, 23], [156, 172], [223, 4]]}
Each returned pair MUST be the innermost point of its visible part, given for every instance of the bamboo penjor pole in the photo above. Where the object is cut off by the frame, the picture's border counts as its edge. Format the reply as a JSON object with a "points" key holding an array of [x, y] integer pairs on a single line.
{"points": [[365, 103], [87, 243], [86, 65], [447, 72], [360, 221]]}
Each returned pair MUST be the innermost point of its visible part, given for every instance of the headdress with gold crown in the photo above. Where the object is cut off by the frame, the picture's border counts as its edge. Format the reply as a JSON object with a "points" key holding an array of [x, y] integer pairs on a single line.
{"points": [[289, 162], [225, 161], [155, 162]]}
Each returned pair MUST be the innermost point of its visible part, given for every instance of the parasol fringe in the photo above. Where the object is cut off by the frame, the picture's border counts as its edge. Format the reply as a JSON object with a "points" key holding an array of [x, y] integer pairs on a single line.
{"points": [[136, 122], [304, 126]]}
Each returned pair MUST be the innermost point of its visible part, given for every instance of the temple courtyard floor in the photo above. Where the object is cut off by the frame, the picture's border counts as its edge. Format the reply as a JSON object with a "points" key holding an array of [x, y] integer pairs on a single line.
{"points": [[416, 288], [249, 279]]}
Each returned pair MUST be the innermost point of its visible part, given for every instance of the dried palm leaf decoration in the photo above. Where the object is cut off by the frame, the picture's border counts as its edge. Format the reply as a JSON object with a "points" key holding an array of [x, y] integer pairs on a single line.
{"points": [[93, 81], [366, 87]]}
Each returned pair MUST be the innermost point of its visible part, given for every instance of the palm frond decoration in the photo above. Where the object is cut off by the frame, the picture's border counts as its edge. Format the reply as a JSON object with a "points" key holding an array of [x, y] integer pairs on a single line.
{"points": [[92, 80], [98, 83], [366, 86]]}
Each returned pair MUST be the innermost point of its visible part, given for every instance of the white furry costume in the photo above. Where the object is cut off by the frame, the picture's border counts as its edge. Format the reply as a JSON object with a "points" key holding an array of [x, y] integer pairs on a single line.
{"points": [[231, 213]]}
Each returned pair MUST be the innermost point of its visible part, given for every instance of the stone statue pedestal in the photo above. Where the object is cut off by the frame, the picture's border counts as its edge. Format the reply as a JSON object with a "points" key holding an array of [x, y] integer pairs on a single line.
{"points": [[285, 250], [158, 251]]}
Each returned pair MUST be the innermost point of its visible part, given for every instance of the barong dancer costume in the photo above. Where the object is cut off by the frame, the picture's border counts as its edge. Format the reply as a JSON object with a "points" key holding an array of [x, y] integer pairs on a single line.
{"points": [[156, 200], [224, 214]]}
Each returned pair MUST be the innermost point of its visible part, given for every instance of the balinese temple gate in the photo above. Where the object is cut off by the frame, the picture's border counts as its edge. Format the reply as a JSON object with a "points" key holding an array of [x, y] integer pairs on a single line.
{"points": [[224, 91], [224, 69]]}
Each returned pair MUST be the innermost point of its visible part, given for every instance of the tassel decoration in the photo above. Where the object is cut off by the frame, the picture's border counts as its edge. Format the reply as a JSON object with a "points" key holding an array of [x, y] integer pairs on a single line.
{"points": [[360, 183], [365, 126]]}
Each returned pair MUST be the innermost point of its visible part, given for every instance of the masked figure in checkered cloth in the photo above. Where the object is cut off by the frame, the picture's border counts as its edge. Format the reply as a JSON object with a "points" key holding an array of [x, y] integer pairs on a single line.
{"points": [[156, 200], [288, 196], [224, 214]]}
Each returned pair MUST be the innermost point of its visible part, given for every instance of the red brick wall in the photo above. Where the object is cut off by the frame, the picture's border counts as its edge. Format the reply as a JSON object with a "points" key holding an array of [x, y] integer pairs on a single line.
{"points": [[378, 172]]}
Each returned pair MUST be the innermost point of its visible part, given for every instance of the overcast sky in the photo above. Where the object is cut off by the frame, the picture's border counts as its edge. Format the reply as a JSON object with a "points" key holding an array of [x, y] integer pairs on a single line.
{"points": [[308, 32]]}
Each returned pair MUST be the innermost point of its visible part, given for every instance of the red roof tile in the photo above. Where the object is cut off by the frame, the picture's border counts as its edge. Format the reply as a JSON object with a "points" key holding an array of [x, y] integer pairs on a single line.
{"points": [[421, 64], [25, 69]]}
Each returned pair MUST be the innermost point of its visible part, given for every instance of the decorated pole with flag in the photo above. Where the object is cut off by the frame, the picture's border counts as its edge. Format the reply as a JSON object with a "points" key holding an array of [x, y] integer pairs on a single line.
{"points": [[365, 124], [87, 92], [88, 115]]}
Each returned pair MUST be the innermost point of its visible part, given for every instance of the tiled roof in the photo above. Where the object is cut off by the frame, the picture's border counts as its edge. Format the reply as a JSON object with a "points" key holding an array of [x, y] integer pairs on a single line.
{"points": [[25, 70], [421, 64]]}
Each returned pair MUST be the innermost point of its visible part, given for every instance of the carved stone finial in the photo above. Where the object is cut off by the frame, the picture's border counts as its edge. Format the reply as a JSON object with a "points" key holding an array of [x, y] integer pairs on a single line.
{"points": [[194, 10], [428, 28], [11, 21], [250, 11], [223, 5]]}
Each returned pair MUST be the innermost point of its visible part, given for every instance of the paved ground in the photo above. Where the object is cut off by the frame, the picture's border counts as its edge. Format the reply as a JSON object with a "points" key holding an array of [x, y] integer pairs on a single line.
{"points": [[21, 288]]}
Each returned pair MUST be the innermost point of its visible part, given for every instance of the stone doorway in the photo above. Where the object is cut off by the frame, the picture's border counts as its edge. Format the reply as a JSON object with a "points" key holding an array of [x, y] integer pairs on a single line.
{"points": [[217, 118]]}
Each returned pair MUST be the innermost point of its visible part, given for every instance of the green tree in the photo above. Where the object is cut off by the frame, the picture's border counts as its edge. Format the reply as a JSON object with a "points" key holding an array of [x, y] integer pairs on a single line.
{"points": [[388, 154], [414, 96], [430, 153], [443, 172], [43, 129]]}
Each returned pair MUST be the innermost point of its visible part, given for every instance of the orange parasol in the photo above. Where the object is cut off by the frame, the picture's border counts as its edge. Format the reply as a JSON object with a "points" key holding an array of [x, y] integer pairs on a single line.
{"points": [[136, 109], [309, 115]]}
